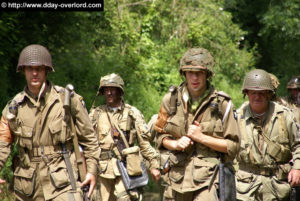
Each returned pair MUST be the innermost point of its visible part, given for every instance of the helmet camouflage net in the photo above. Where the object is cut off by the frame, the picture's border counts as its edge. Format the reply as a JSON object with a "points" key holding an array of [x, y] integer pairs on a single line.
{"points": [[35, 55], [196, 59], [111, 80], [275, 81], [294, 83], [257, 80]]}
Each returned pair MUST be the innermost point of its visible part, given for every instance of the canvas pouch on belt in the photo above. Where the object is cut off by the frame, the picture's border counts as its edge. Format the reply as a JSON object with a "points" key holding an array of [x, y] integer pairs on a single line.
{"points": [[133, 161]]}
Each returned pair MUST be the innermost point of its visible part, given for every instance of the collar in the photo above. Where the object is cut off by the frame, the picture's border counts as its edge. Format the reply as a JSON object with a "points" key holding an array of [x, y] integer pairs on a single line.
{"points": [[115, 109]]}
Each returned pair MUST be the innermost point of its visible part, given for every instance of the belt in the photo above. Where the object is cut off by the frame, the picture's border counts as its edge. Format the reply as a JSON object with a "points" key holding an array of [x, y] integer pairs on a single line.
{"points": [[105, 155], [258, 170], [48, 150]]}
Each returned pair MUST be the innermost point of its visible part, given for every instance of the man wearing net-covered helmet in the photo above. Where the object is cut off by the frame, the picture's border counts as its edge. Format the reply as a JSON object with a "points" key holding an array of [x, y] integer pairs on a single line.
{"points": [[122, 134], [196, 123], [269, 156], [35, 120]]}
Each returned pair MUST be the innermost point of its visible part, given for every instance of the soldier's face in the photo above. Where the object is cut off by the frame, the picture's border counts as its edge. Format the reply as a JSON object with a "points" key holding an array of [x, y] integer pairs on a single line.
{"points": [[196, 80], [294, 93], [35, 76], [112, 96], [259, 100]]}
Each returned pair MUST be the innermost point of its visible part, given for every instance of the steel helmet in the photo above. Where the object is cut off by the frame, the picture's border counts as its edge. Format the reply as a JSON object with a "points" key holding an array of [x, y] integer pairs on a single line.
{"points": [[257, 80], [35, 55], [294, 83], [111, 80], [196, 59]]}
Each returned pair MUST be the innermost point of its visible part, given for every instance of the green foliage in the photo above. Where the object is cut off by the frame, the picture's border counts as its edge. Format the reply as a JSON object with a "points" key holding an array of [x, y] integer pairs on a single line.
{"points": [[274, 27], [143, 41]]}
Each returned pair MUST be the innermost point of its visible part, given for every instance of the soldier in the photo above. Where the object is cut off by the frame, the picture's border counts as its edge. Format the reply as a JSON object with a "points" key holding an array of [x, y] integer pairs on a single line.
{"points": [[293, 98], [293, 88], [270, 141], [113, 122], [166, 193], [196, 123], [35, 121]]}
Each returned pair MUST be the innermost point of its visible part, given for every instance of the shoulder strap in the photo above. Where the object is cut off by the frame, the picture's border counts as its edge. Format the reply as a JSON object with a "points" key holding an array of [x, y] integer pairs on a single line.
{"points": [[173, 99], [116, 126], [282, 127]]}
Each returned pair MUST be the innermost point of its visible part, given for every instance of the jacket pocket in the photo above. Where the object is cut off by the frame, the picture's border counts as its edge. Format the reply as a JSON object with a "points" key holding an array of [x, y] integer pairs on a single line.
{"points": [[59, 175], [24, 180], [202, 170], [175, 126], [103, 165], [245, 181], [176, 174], [281, 188], [26, 137], [55, 128]]}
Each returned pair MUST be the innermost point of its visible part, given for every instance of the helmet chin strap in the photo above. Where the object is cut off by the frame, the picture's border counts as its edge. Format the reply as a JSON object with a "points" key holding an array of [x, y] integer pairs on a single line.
{"points": [[41, 91]]}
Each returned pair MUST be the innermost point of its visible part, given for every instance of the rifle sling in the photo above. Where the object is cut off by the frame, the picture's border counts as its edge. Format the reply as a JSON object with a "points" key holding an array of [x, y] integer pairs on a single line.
{"points": [[118, 129]]}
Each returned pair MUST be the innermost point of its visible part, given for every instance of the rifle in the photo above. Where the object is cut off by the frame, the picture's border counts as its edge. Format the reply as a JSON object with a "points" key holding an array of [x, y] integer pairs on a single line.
{"points": [[69, 90]]}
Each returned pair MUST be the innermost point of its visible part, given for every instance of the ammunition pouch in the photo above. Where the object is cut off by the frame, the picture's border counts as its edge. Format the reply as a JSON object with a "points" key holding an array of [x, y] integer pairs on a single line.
{"points": [[280, 153], [59, 175], [178, 158], [133, 161]]}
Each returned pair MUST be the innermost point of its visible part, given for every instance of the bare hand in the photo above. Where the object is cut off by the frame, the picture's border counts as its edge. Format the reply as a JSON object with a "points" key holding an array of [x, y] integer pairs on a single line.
{"points": [[155, 173], [2, 181], [294, 177], [91, 180], [194, 131], [183, 143]]}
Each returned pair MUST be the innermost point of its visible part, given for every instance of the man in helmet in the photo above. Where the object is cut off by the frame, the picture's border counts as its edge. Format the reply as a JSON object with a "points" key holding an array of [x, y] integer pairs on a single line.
{"points": [[293, 99], [196, 124], [35, 121], [119, 126], [293, 87], [270, 143], [165, 190]]}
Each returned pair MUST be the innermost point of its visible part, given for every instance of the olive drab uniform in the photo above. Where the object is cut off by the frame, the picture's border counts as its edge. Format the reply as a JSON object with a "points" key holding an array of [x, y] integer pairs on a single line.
{"points": [[191, 170], [131, 121], [38, 129], [166, 193], [294, 104], [267, 147]]}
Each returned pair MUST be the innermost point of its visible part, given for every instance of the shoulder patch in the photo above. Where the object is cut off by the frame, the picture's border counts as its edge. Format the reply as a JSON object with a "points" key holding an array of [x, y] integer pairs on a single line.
{"points": [[222, 93], [82, 101]]}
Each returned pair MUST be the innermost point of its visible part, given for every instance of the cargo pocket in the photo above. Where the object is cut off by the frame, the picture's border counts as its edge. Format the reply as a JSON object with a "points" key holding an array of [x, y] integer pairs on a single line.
{"points": [[55, 128], [176, 174], [133, 161], [59, 175], [24, 181], [202, 170], [245, 181], [281, 188]]}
